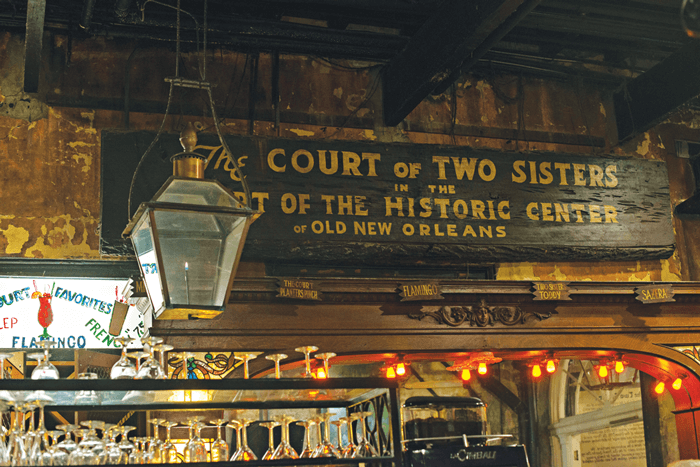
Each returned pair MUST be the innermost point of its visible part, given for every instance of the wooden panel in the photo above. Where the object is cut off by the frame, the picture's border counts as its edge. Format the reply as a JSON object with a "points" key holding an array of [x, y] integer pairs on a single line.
{"points": [[340, 203]]}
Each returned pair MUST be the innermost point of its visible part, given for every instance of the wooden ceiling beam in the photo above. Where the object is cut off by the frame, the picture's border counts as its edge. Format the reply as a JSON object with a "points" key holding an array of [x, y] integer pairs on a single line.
{"points": [[650, 97], [448, 44]]}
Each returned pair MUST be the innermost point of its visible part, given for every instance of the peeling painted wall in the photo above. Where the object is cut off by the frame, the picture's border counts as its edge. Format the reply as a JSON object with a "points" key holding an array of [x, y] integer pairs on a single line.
{"points": [[50, 185]]}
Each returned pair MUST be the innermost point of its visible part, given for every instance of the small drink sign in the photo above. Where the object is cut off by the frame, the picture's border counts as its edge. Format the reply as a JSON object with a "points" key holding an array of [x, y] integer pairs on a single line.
{"points": [[551, 290], [298, 289], [412, 291], [655, 293]]}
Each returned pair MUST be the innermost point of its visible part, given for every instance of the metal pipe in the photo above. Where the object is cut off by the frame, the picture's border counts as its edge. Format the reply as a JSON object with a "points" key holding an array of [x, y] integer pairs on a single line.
{"points": [[86, 18], [121, 8]]}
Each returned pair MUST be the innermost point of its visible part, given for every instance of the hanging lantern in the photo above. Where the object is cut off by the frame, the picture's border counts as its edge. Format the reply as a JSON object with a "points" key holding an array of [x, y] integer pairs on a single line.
{"points": [[188, 239]]}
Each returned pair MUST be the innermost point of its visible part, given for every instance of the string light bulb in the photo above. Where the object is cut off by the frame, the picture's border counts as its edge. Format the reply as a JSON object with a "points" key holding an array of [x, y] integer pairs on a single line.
{"points": [[390, 372], [466, 375], [536, 370], [551, 366], [659, 388], [619, 366], [603, 371], [321, 373], [400, 369], [482, 369], [677, 384]]}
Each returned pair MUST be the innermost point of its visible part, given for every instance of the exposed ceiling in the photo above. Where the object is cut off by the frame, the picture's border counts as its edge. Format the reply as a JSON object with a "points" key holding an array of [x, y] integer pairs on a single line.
{"points": [[424, 44]]}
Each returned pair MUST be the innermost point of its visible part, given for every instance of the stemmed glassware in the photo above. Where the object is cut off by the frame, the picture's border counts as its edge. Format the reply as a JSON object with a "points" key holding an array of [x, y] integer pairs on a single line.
{"points": [[270, 439], [162, 350], [350, 449], [339, 425], [245, 357], [325, 356], [113, 454], [364, 447], [68, 444], [83, 455], [308, 449], [285, 450], [137, 356], [17, 444], [325, 448], [168, 451], [44, 368], [150, 369], [39, 451], [155, 447], [124, 444], [306, 350], [219, 448], [195, 449], [123, 369], [88, 396], [243, 453], [136, 455], [59, 457], [276, 358]]}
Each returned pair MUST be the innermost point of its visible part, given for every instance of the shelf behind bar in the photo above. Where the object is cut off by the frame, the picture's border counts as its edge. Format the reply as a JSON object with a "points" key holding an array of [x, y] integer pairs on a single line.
{"points": [[202, 384], [269, 405]]}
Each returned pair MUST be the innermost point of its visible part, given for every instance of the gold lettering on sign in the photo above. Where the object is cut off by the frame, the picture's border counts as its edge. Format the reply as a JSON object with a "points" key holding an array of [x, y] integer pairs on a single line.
{"points": [[551, 290], [298, 289], [412, 291], [655, 293]]}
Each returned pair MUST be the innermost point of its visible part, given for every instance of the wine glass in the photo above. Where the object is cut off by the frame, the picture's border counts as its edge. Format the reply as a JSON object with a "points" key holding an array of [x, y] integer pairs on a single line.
{"points": [[308, 450], [168, 451], [38, 451], [243, 453], [123, 369], [83, 455], [270, 439], [68, 445], [88, 397], [364, 447], [339, 425], [306, 350], [17, 442], [245, 357], [276, 358], [124, 444], [45, 369], [325, 447], [113, 454], [349, 450], [137, 356], [155, 447], [195, 449], [59, 456], [136, 455], [219, 448], [150, 369], [325, 356], [284, 450]]}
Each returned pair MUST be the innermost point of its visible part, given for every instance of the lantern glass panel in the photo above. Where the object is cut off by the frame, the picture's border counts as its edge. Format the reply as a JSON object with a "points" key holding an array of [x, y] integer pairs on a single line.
{"points": [[197, 191], [142, 238], [198, 252]]}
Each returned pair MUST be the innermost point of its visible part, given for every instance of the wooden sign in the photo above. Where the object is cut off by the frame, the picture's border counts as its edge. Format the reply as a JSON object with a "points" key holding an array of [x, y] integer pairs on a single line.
{"points": [[655, 293], [424, 290], [551, 290], [138, 288], [349, 202], [298, 289]]}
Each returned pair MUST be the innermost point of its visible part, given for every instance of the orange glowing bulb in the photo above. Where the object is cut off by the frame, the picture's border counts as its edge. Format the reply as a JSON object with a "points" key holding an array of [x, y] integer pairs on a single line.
{"points": [[677, 383], [400, 369], [321, 373], [659, 389], [466, 375], [536, 371], [551, 366], [619, 367], [603, 371], [482, 369], [390, 372]]}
